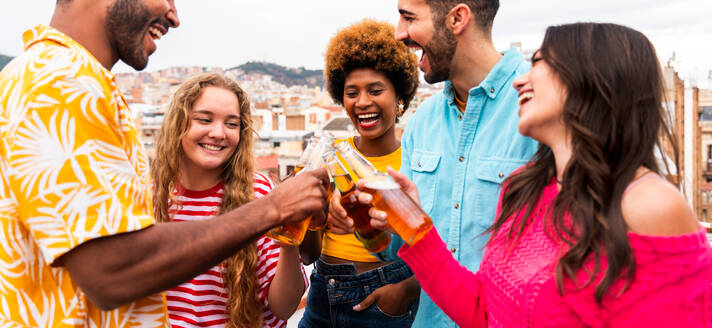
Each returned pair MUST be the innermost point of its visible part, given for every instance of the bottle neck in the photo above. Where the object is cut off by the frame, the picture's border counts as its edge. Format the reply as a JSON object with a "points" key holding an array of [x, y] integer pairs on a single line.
{"points": [[360, 166], [315, 160]]}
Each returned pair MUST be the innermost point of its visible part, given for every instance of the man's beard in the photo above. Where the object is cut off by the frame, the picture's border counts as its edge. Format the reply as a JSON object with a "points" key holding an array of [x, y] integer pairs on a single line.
{"points": [[440, 51], [127, 22]]}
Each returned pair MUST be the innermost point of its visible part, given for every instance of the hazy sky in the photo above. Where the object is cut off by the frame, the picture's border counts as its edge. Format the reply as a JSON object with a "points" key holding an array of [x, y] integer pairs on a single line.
{"points": [[227, 33]]}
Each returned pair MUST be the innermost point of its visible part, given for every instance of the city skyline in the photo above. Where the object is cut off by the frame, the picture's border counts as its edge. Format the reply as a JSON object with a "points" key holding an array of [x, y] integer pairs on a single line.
{"points": [[295, 34]]}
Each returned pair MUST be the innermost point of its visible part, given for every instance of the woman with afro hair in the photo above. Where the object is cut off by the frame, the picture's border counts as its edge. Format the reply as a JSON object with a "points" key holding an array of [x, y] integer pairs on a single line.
{"points": [[374, 77]]}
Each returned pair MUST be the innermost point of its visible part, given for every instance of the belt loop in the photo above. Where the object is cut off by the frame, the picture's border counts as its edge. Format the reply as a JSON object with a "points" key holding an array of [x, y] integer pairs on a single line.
{"points": [[382, 275]]}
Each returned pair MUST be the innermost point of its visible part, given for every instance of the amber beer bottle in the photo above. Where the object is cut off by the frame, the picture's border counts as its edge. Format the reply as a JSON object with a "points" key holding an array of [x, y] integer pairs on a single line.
{"points": [[293, 233], [402, 213], [316, 160], [373, 240]]}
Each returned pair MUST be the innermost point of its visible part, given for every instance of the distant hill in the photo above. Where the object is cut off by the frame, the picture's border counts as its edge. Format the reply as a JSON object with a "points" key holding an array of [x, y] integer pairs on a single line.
{"points": [[4, 60], [288, 76]]}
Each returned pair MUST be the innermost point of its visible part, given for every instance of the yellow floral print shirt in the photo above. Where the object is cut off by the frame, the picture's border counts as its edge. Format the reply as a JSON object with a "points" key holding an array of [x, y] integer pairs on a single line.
{"points": [[71, 169]]}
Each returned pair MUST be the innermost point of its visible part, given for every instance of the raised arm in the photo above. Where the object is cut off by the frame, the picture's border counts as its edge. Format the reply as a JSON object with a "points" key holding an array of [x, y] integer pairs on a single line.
{"points": [[456, 290], [122, 268], [453, 288]]}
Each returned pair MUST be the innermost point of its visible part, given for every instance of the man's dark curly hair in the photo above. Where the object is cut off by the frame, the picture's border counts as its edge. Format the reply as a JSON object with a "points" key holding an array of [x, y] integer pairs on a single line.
{"points": [[371, 44]]}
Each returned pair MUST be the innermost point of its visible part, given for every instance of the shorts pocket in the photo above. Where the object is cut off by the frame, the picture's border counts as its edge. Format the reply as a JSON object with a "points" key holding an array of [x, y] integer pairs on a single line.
{"points": [[384, 319]]}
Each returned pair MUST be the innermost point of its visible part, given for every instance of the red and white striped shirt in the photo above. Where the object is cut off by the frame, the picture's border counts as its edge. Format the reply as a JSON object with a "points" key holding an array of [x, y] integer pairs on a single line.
{"points": [[201, 302]]}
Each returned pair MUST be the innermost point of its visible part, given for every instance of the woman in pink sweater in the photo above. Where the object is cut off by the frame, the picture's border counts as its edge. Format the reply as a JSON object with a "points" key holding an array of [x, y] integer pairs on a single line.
{"points": [[588, 233]]}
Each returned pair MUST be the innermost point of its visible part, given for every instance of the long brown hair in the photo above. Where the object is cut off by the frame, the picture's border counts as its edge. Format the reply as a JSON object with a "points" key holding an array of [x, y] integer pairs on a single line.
{"points": [[615, 118], [239, 273]]}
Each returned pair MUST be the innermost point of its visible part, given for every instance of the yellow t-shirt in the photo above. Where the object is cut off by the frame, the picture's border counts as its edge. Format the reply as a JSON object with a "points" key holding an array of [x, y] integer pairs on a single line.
{"points": [[71, 169], [347, 246]]}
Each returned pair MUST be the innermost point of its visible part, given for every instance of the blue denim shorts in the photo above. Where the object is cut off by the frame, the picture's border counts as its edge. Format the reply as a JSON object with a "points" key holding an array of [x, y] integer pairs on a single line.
{"points": [[336, 288]]}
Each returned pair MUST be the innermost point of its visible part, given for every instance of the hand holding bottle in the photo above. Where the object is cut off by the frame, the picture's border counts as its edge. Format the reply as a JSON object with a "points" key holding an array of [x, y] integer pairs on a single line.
{"points": [[300, 197], [402, 212], [339, 221], [293, 232], [378, 217]]}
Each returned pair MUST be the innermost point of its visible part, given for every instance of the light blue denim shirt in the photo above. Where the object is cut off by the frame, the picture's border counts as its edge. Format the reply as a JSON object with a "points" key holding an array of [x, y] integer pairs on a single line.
{"points": [[458, 161]]}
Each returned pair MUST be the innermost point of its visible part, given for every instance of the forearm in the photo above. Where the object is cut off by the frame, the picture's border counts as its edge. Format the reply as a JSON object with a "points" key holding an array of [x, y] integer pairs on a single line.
{"points": [[451, 286], [310, 249], [122, 268], [287, 287]]}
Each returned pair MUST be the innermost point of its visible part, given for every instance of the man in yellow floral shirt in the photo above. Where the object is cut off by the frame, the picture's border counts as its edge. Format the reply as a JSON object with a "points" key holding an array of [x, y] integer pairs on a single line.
{"points": [[78, 244]]}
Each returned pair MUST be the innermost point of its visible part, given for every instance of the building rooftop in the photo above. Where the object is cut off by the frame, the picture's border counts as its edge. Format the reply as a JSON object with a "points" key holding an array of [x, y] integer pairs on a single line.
{"points": [[339, 124], [266, 162]]}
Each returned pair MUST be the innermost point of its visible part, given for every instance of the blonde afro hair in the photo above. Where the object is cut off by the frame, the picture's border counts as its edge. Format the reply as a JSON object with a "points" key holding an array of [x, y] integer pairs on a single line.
{"points": [[371, 44]]}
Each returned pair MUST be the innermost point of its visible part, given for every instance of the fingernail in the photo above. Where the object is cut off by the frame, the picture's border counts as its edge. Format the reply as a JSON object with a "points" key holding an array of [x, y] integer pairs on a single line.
{"points": [[357, 307]]}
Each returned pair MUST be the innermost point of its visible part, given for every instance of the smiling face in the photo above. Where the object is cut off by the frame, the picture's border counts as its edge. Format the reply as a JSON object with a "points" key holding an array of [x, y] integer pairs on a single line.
{"points": [[213, 133], [370, 101], [134, 25], [437, 43], [541, 103]]}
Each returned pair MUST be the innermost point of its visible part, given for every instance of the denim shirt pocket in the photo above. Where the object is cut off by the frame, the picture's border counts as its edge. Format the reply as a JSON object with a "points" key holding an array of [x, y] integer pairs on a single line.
{"points": [[424, 165], [490, 174]]}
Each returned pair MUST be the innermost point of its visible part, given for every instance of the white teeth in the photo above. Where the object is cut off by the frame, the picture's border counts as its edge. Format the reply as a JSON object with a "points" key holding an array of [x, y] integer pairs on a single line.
{"points": [[155, 33], [211, 147], [525, 96], [367, 116]]}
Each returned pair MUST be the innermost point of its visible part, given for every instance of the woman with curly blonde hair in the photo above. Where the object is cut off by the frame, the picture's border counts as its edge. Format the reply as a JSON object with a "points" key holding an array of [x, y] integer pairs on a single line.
{"points": [[204, 167], [374, 77]]}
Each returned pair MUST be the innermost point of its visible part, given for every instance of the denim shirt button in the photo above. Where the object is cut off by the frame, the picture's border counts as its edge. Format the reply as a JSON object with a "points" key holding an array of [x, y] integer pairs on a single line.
{"points": [[491, 90], [501, 175], [457, 205], [332, 282], [459, 117], [462, 158], [420, 164], [453, 249]]}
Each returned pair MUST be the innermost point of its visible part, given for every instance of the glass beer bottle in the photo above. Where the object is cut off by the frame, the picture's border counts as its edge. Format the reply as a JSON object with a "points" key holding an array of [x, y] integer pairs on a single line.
{"points": [[408, 220], [316, 161], [373, 240], [293, 233], [306, 155], [304, 158]]}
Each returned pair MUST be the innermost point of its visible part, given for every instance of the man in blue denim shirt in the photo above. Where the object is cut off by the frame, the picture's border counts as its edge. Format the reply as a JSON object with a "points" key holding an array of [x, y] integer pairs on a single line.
{"points": [[461, 143]]}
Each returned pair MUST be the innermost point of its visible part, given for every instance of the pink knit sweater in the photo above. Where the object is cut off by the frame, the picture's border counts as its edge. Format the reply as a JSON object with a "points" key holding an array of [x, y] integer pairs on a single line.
{"points": [[515, 286]]}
